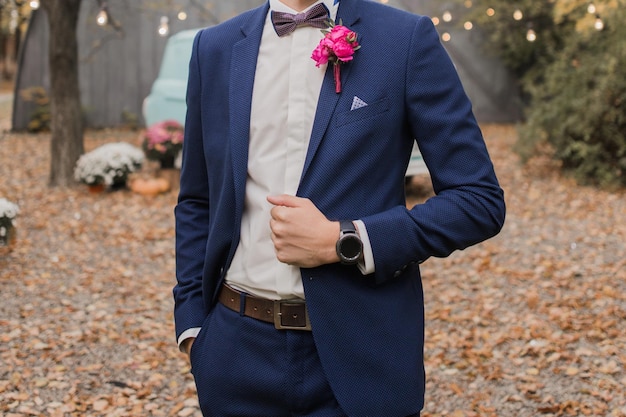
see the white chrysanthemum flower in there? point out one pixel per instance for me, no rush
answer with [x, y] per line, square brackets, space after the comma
[8, 212]
[108, 164]
[8, 209]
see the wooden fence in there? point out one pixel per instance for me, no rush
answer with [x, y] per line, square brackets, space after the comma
[118, 66]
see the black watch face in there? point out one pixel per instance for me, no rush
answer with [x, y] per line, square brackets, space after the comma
[351, 247]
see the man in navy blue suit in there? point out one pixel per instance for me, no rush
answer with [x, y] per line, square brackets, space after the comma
[297, 260]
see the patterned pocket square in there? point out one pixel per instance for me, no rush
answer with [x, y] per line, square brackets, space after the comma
[357, 103]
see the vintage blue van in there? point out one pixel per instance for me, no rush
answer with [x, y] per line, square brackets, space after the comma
[166, 100]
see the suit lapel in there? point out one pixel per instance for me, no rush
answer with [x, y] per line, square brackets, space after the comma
[242, 70]
[327, 102]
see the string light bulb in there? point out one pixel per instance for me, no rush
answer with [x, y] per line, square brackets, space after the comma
[182, 15]
[518, 15]
[468, 25]
[531, 36]
[591, 8]
[102, 18]
[164, 27]
[490, 12]
[447, 16]
[34, 4]
[598, 24]
[446, 37]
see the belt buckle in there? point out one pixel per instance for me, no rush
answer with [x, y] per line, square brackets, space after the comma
[286, 311]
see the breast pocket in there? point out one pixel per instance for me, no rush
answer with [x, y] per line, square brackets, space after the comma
[360, 114]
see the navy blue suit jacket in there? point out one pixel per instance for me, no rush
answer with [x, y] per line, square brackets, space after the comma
[369, 330]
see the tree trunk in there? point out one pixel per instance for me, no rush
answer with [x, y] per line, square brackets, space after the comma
[65, 109]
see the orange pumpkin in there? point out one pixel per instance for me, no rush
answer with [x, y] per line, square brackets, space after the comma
[149, 186]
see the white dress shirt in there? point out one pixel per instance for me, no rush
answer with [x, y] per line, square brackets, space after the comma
[284, 101]
[286, 89]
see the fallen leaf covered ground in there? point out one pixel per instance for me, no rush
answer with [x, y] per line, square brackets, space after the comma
[530, 323]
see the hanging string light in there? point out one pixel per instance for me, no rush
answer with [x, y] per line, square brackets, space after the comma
[102, 18]
[598, 24]
[164, 27]
[34, 4]
[518, 15]
[531, 36]
[182, 15]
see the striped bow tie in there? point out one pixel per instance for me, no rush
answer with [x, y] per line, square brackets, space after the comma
[285, 23]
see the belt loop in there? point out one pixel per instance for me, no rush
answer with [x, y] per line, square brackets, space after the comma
[242, 304]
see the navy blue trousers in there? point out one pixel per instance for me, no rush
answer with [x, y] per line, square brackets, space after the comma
[244, 367]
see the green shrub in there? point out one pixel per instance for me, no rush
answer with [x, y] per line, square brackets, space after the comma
[579, 108]
[40, 117]
[572, 78]
[506, 37]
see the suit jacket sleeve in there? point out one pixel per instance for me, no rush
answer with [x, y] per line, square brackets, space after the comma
[192, 211]
[469, 204]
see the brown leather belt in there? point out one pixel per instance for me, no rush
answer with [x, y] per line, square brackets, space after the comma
[284, 314]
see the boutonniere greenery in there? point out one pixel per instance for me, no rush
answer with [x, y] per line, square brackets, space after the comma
[337, 47]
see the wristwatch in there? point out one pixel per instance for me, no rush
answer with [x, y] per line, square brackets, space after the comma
[349, 245]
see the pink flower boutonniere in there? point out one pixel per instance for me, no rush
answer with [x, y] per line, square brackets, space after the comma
[337, 46]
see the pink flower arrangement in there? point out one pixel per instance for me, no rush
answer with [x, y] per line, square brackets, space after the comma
[163, 140]
[337, 46]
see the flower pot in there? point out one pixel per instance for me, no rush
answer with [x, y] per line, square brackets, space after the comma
[119, 185]
[96, 188]
[167, 162]
[8, 235]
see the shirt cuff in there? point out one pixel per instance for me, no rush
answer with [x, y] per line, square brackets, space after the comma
[366, 264]
[193, 332]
